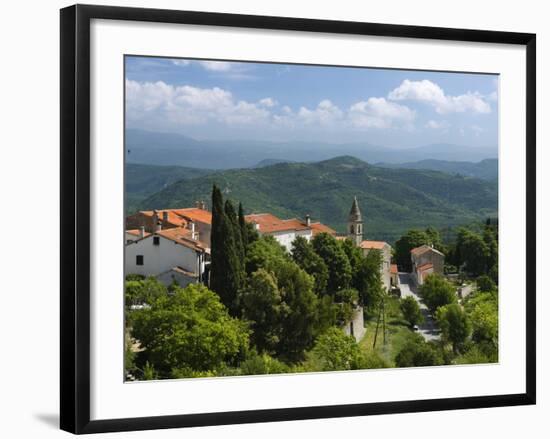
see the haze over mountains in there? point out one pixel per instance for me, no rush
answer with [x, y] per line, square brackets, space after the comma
[174, 149]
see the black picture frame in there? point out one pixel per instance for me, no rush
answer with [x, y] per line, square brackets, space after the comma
[75, 217]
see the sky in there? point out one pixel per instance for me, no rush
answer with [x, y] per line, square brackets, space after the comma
[221, 100]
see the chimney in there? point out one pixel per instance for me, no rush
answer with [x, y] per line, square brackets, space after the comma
[141, 232]
[155, 219]
[194, 232]
[256, 226]
[165, 216]
[308, 220]
[158, 226]
[203, 205]
[197, 204]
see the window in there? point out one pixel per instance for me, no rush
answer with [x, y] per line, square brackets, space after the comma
[352, 230]
[156, 240]
[139, 259]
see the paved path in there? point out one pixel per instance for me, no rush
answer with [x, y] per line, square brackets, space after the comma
[428, 329]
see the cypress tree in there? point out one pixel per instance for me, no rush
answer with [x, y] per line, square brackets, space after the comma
[243, 227]
[217, 256]
[233, 273]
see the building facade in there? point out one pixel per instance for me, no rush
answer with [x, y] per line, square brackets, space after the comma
[426, 260]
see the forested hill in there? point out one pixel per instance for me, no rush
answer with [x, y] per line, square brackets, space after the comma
[486, 169]
[391, 200]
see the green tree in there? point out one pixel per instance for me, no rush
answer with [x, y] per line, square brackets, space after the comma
[217, 256]
[355, 258]
[266, 253]
[262, 304]
[411, 311]
[416, 352]
[143, 291]
[369, 280]
[335, 350]
[301, 325]
[455, 325]
[189, 329]
[309, 261]
[334, 257]
[472, 252]
[243, 228]
[485, 283]
[227, 254]
[436, 291]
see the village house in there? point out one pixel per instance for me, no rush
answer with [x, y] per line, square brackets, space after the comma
[190, 228]
[175, 254]
[286, 231]
[426, 260]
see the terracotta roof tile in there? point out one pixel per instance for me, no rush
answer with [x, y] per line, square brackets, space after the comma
[321, 228]
[378, 245]
[425, 267]
[182, 236]
[270, 223]
[136, 232]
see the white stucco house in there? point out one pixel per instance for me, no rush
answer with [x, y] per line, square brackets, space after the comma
[171, 254]
[286, 231]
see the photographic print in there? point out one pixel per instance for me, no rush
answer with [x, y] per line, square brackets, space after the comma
[292, 218]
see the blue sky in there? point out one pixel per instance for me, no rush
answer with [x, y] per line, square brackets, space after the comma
[282, 102]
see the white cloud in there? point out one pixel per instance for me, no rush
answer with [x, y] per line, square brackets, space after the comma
[430, 93]
[268, 102]
[380, 113]
[326, 113]
[217, 66]
[189, 105]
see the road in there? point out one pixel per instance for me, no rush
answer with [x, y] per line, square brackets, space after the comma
[428, 329]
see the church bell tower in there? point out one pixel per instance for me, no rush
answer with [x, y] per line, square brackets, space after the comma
[355, 224]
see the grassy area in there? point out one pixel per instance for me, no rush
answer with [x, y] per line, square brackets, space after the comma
[397, 332]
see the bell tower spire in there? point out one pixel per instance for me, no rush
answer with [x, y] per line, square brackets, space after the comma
[355, 223]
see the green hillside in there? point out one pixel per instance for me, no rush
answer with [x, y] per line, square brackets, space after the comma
[142, 181]
[392, 200]
[485, 169]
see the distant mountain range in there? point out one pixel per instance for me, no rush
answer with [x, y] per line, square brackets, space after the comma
[392, 200]
[485, 169]
[174, 149]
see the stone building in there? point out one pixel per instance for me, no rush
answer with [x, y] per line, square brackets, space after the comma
[426, 260]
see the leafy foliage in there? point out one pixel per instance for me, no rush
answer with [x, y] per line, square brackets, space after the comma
[335, 350]
[309, 261]
[336, 261]
[454, 323]
[417, 352]
[436, 291]
[189, 329]
[411, 311]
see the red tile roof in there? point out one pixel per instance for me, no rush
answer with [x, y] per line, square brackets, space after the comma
[425, 267]
[195, 214]
[182, 236]
[378, 245]
[393, 269]
[270, 223]
[136, 232]
[317, 228]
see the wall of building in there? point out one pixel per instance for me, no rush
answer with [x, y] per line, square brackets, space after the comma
[357, 325]
[287, 238]
[160, 258]
[386, 264]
